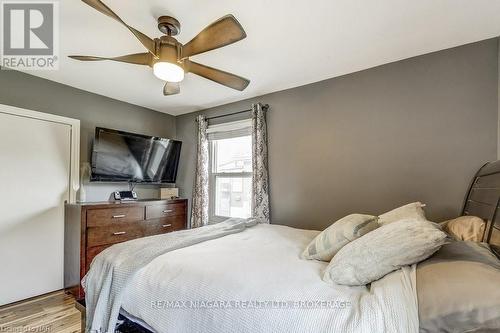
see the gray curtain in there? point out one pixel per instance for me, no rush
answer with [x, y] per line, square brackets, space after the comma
[199, 209]
[260, 180]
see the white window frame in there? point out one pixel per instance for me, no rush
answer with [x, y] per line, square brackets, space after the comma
[216, 132]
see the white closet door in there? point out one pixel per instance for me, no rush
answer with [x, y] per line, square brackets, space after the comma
[35, 178]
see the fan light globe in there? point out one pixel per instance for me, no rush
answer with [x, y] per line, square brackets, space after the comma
[168, 72]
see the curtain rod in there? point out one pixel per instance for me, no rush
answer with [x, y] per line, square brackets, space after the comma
[265, 107]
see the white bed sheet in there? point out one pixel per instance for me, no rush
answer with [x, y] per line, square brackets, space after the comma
[223, 285]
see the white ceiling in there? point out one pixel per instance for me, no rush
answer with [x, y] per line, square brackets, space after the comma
[290, 43]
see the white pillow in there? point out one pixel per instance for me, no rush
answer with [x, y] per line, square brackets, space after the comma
[341, 232]
[384, 250]
[412, 210]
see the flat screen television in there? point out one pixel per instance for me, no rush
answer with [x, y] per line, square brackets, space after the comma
[119, 156]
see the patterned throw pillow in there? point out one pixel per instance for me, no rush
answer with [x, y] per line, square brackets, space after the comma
[333, 238]
[414, 210]
[384, 250]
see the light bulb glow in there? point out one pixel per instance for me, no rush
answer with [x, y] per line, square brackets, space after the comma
[168, 72]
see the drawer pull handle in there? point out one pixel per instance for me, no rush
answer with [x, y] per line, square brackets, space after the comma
[168, 211]
[119, 216]
[119, 233]
[166, 225]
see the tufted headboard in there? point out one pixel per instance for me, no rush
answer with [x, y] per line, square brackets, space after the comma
[483, 199]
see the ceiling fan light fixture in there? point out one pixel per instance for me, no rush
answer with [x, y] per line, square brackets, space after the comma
[169, 59]
[168, 72]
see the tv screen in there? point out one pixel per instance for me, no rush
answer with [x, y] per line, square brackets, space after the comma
[127, 157]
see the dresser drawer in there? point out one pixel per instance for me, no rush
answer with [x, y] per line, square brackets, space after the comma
[113, 234]
[159, 211]
[106, 217]
[164, 225]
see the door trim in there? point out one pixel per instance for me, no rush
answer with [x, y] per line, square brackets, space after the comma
[74, 179]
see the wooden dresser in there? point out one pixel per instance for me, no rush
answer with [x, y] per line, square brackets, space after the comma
[92, 227]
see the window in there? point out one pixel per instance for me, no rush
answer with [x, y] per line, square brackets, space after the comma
[230, 182]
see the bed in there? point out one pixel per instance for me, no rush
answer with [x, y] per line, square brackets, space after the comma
[258, 266]
[254, 281]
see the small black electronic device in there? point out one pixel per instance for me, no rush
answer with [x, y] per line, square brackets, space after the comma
[125, 195]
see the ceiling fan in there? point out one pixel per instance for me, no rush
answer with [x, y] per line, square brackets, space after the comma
[169, 59]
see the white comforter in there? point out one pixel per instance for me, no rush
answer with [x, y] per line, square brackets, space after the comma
[229, 285]
[112, 270]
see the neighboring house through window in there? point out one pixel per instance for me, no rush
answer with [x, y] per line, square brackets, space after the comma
[230, 171]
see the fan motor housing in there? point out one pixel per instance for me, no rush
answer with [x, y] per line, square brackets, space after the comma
[169, 50]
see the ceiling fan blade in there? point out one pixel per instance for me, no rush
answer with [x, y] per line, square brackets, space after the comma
[148, 43]
[171, 88]
[137, 59]
[216, 75]
[224, 31]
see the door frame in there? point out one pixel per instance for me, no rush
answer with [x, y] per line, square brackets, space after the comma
[74, 179]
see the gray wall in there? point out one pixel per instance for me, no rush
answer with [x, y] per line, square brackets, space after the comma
[417, 129]
[31, 92]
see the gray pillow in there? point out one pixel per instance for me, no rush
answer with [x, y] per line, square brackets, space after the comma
[384, 250]
[458, 289]
[341, 232]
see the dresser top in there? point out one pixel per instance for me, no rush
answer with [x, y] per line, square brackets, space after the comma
[128, 203]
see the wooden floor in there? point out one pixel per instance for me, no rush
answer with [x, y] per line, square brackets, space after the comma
[51, 313]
